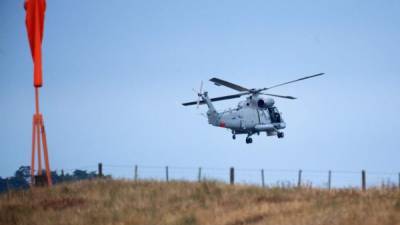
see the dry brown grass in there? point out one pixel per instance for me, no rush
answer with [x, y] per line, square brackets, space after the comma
[158, 203]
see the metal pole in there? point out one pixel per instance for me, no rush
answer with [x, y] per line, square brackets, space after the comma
[45, 153]
[39, 150]
[33, 150]
[37, 131]
[37, 100]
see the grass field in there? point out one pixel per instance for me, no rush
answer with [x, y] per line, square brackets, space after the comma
[159, 203]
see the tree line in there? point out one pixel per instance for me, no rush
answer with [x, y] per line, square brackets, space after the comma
[21, 178]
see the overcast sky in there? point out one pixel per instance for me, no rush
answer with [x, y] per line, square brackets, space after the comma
[116, 73]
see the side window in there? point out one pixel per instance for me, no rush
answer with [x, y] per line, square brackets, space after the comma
[277, 115]
[274, 115]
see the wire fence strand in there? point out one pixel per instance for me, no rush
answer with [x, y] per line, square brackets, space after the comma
[254, 176]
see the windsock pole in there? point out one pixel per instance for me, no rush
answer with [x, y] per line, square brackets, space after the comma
[34, 20]
[39, 142]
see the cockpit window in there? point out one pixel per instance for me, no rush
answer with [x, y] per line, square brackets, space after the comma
[274, 115]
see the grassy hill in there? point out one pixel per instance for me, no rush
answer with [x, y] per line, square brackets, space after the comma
[158, 203]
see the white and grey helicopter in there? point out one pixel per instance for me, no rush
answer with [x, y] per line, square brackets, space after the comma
[252, 116]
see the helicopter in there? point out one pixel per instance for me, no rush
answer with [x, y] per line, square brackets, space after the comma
[251, 116]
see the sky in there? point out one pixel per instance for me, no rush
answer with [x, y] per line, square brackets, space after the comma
[116, 73]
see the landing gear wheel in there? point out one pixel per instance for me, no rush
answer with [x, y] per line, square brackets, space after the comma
[249, 140]
[233, 137]
[280, 135]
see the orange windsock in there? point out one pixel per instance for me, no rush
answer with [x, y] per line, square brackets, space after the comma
[34, 25]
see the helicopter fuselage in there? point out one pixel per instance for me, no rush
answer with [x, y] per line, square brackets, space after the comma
[254, 115]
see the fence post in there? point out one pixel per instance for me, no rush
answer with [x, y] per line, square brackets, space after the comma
[199, 175]
[399, 180]
[329, 179]
[299, 179]
[363, 180]
[62, 175]
[232, 176]
[262, 178]
[136, 173]
[8, 189]
[166, 174]
[8, 185]
[100, 170]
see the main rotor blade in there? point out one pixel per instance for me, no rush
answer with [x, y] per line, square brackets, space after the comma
[220, 82]
[215, 99]
[280, 96]
[303, 78]
[227, 97]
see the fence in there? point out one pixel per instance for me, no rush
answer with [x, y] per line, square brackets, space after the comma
[260, 177]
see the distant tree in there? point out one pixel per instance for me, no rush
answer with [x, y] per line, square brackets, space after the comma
[83, 174]
[3, 185]
[55, 177]
[23, 172]
[22, 176]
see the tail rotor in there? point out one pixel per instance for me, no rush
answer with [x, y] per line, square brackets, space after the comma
[199, 93]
